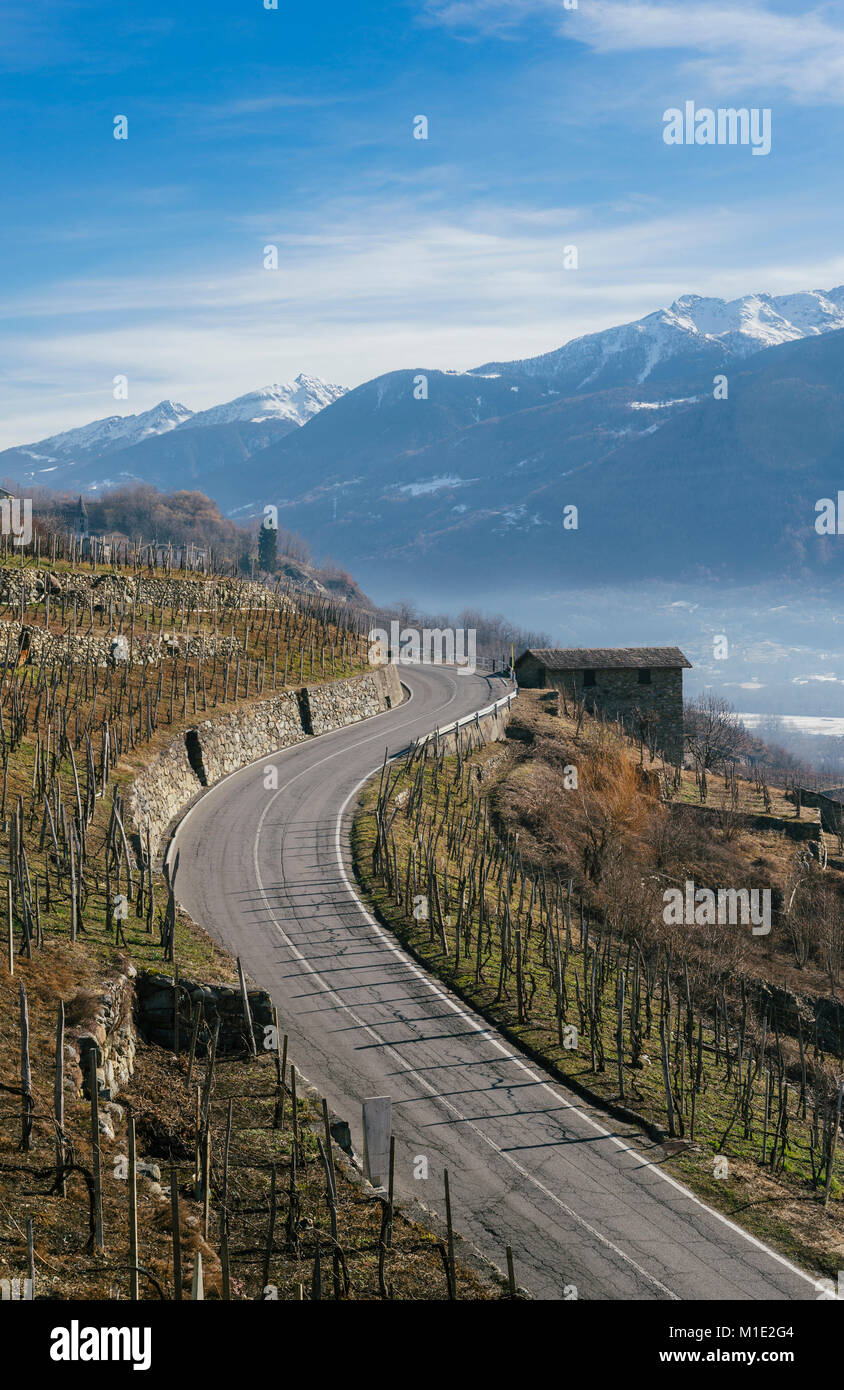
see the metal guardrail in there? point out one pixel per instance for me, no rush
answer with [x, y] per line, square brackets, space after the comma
[475, 718]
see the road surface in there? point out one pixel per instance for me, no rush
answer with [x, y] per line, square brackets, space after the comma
[267, 873]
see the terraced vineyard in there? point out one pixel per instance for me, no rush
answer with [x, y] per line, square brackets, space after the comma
[540, 901]
[126, 1167]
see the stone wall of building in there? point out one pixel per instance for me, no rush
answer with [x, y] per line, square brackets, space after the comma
[617, 693]
[217, 747]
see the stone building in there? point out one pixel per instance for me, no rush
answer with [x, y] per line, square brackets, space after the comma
[643, 685]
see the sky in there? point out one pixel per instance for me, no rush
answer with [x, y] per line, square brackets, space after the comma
[293, 127]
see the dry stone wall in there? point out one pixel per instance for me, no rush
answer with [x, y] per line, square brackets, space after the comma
[161, 790]
[333, 706]
[830, 803]
[102, 590]
[223, 745]
[220, 746]
[79, 650]
[102, 1023]
[218, 1004]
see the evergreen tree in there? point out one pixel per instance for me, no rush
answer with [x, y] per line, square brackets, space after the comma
[267, 548]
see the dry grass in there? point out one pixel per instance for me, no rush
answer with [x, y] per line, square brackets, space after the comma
[619, 844]
[613, 836]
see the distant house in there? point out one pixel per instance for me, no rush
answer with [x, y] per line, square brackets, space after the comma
[643, 685]
[166, 555]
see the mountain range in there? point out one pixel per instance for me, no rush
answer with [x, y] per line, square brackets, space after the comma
[150, 446]
[693, 331]
[694, 444]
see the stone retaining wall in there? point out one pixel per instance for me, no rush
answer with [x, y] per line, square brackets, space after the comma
[489, 728]
[345, 702]
[144, 649]
[103, 590]
[821, 1017]
[217, 747]
[101, 1022]
[218, 1004]
[799, 830]
[830, 803]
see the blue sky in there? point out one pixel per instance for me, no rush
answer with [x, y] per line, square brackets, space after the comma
[294, 127]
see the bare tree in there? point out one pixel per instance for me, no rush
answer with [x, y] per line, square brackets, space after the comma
[714, 734]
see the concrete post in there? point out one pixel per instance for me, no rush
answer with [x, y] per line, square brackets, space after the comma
[377, 1128]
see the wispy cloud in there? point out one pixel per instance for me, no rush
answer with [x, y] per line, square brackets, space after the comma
[501, 17]
[278, 101]
[733, 46]
[363, 291]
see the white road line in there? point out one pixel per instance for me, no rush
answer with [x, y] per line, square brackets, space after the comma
[479, 1027]
[476, 1026]
[266, 757]
[390, 1051]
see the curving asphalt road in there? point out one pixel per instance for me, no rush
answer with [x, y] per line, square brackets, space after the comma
[267, 873]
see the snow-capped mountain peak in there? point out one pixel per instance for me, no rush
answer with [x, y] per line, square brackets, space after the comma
[296, 401]
[693, 324]
[114, 431]
[764, 320]
[291, 404]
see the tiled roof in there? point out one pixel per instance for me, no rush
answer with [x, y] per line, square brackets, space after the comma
[605, 658]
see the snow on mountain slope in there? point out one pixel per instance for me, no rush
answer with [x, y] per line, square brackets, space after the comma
[296, 401]
[693, 325]
[114, 432]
